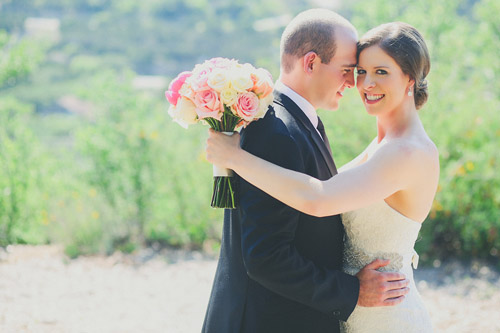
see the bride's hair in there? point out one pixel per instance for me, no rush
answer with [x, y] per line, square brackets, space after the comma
[407, 47]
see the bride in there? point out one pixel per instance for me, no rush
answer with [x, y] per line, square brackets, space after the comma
[387, 191]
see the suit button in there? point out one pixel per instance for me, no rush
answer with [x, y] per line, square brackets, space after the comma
[336, 313]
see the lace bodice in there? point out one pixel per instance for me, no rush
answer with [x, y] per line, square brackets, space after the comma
[379, 231]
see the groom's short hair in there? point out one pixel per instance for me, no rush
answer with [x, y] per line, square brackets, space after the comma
[311, 30]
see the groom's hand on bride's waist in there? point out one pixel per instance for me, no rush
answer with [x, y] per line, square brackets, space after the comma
[381, 288]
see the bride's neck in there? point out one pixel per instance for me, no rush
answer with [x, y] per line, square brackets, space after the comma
[396, 123]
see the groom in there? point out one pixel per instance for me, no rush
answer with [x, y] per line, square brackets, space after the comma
[279, 269]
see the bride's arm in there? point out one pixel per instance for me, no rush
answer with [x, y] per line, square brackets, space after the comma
[391, 169]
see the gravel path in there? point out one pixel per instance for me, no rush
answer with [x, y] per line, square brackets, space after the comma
[42, 291]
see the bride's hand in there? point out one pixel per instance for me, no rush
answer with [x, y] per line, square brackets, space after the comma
[222, 149]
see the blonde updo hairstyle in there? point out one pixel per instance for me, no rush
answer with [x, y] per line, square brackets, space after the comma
[406, 46]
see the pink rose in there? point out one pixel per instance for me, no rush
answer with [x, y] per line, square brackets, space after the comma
[172, 94]
[222, 63]
[247, 106]
[200, 77]
[208, 104]
[262, 83]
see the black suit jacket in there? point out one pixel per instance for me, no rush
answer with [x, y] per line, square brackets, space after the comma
[279, 269]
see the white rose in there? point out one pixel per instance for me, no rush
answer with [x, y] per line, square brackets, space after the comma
[229, 96]
[184, 113]
[218, 80]
[264, 105]
[241, 80]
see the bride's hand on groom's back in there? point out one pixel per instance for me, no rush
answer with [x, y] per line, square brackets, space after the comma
[381, 288]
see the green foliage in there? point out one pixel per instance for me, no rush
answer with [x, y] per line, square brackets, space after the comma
[22, 203]
[22, 210]
[123, 175]
[143, 167]
[19, 58]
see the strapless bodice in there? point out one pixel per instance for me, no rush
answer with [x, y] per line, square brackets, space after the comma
[379, 231]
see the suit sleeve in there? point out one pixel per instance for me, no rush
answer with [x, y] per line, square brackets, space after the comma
[268, 231]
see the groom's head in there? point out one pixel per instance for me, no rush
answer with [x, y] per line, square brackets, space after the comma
[318, 56]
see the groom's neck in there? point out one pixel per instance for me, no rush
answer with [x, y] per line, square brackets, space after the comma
[298, 85]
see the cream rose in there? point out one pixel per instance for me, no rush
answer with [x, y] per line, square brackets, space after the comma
[218, 80]
[264, 105]
[241, 80]
[184, 113]
[229, 96]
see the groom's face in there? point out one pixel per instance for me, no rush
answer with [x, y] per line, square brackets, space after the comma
[333, 78]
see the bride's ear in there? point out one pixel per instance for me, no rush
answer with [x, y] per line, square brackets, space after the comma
[411, 83]
[309, 61]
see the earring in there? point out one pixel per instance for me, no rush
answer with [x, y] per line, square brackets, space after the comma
[410, 93]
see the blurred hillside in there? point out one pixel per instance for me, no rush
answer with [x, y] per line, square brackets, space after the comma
[89, 158]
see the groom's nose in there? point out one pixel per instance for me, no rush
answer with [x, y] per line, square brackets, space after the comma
[349, 82]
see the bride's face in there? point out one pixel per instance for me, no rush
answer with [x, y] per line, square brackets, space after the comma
[381, 83]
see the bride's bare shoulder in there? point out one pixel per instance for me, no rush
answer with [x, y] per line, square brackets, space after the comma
[419, 149]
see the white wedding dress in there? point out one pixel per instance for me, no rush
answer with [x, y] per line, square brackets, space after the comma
[379, 231]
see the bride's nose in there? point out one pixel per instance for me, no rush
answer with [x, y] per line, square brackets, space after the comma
[368, 82]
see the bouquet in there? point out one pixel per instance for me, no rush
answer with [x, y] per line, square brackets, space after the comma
[225, 95]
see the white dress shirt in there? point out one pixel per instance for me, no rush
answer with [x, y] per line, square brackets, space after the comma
[301, 102]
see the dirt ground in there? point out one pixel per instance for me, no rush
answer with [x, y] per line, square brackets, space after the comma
[43, 291]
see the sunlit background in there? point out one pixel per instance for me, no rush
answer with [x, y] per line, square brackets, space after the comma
[90, 161]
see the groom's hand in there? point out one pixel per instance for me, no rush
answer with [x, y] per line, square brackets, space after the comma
[379, 288]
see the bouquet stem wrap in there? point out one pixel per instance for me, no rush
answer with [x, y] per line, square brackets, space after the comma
[224, 189]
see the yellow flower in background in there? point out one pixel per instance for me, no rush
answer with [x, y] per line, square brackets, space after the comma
[202, 156]
[92, 192]
[469, 166]
[437, 206]
[75, 195]
[460, 171]
[45, 217]
[95, 215]
[498, 132]
[469, 134]
[154, 135]
[440, 188]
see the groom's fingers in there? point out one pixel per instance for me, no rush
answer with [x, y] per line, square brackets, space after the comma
[400, 284]
[394, 276]
[393, 294]
[393, 301]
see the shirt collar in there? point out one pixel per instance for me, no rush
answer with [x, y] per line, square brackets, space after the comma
[301, 102]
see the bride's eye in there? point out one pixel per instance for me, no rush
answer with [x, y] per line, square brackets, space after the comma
[381, 71]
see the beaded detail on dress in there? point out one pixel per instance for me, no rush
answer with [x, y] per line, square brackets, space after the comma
[379, 231]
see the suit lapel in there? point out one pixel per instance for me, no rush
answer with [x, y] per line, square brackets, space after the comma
[297, 113]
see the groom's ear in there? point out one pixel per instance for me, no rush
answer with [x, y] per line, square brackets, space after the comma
[309, 61]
